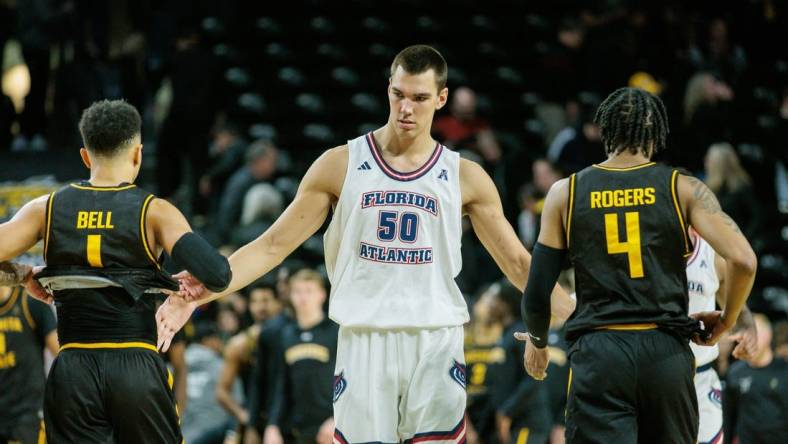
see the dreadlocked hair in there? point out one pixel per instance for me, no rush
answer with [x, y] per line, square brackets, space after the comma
[632, 119]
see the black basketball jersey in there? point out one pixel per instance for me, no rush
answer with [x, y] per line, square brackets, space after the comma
[24, 325]
[628, 242]
[100, 228]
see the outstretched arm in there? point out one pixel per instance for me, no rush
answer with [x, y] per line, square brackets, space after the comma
[548, 256]
[721, 232]
[24, 229]
[318, 190]
[483, 205]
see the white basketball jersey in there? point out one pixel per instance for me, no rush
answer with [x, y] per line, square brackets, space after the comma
[393, 246]
[703, 283]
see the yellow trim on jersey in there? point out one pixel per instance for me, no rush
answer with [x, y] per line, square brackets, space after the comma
[568, 390]
[628, 327]
[673, 182]
[522, 437]
[26, 311]
[42, 433]
[92, 188]
[170, 379]
[144, 231]
[636, 167]
[10, 302]
[108, 345]
[571, 207]
[49, 224]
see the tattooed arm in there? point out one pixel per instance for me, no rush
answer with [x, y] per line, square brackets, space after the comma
[721, 232]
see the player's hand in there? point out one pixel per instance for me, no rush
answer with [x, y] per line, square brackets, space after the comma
[535, 359]
[170, 317]
[272, 435]
[713, 324]
[746, 343]
[503, 424]
[35, 289]
[190, 288]
[326, 433]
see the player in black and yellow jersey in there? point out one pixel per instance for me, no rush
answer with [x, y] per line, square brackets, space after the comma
[27, 327]
[101, 240]
[624, 224]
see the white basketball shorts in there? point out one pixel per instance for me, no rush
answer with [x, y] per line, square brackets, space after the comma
[709, 391]
[394, 386]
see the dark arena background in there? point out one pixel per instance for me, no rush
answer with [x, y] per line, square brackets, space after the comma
[238, 98]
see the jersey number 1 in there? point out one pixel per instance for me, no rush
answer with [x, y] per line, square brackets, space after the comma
[94, 250]
[631, 247]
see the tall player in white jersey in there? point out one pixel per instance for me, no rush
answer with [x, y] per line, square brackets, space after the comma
[392, 253]
[705, 280]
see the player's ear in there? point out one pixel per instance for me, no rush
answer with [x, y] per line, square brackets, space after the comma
[137, 153]
[443, 97]
[85, 155]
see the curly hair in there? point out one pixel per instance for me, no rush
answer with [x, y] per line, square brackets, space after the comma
[107, 126]
[632, 119]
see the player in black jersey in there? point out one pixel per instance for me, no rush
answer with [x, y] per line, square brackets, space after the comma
[624, 224]
[27, 327]
[102, 238]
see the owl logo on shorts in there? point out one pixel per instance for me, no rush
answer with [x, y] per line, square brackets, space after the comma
[340, 384]
[715, 395]
[457, 372]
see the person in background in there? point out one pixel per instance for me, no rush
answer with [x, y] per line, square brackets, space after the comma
[239, 354]
[205, 421]
[27, 328]
[261, 158]
[756, 394]
[463, 129]
[482, 351]
[303, 399]
[227, 152]
[707, 118]
[522, 403]
[733, 187]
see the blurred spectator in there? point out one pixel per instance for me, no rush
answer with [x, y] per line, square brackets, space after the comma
[35, 31]
[463, 129]
[303, 402]
[239, 354]
[733, 187]
[184, 133]
[577, 147]
[205, 421]
[266, 368]
[481, 352]
[226, 153]
[522, 403]
[531, 202]
[531, 199]
[260, 167]
[756, 394]
[781, 339]
[227, 322]
[706, 117]
[715, 52]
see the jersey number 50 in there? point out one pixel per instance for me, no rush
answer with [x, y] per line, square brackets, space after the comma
[631, 247]
[391, 225]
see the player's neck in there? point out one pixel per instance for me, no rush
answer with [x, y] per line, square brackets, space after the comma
[110, 175]
[392, 143]
[625, 159]
[308, 319]
[762, 359]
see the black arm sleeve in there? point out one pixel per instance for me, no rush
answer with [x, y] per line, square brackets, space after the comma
[43, 316]
[193, 253]
[545, 268]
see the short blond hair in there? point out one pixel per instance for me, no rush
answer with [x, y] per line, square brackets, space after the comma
[308, 275]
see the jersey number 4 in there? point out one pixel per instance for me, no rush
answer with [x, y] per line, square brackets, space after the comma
[631, 247]
[391, 225]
